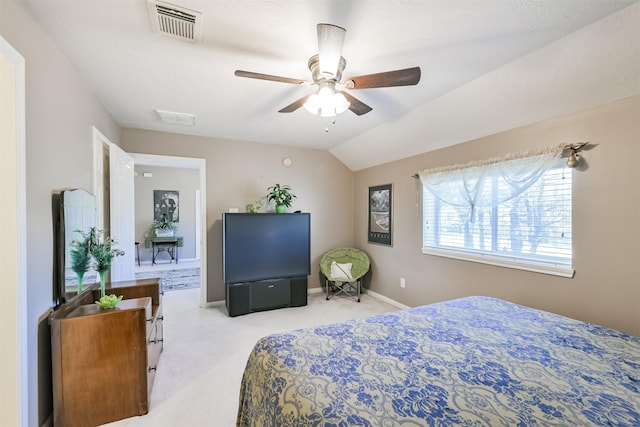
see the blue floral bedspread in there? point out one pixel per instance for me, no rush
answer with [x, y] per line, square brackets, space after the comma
[474, 361]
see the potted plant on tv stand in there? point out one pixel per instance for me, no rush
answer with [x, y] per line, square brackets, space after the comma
[281, 195]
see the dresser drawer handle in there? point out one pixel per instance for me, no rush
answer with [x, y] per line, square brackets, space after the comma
[152, 368]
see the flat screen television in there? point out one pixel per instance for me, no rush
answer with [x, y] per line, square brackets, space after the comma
[265, 246]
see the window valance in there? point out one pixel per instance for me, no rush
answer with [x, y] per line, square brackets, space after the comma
[472, 185]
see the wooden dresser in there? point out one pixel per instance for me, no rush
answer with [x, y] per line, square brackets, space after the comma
[105, 360]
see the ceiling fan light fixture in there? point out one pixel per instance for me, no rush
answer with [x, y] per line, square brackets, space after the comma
[320, 104]
[330, 41]
[312, 104]
[326, 102]
[340, 103]
[326, 69]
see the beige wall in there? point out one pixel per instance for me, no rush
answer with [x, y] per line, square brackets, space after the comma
[186, 182]
[60, 113]
[606, 229]
[239, 173]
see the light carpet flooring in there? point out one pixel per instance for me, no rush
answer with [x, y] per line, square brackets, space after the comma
[205, 351]
[181, 275]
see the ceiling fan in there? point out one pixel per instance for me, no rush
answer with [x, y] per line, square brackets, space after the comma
[326, 71]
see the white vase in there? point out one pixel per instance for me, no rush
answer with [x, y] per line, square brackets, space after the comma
[164, 233]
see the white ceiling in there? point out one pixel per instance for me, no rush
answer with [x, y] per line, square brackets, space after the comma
[479, 58]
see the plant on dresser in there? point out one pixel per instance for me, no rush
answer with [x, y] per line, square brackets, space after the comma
[95, 246]
[81, 256]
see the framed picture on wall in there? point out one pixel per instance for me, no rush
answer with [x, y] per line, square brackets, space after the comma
[166, 204]
[380, 214]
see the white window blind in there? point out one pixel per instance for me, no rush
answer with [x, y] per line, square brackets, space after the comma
[513, 213]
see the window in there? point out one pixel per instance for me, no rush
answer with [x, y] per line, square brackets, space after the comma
[520, 218]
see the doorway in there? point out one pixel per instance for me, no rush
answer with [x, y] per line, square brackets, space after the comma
[13, 255]
[201, 205]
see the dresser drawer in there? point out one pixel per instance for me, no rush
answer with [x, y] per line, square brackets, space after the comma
[154, 348]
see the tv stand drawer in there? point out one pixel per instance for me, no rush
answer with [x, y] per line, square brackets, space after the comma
[268, 294]
[247, 297]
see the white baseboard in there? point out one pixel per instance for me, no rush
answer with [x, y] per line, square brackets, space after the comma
[376, 295]
[386, 299]
[211, 304]
[145, 262]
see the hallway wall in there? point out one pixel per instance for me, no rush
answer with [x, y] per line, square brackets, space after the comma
[186, 182]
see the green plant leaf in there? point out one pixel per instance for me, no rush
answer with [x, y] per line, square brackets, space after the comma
[80, 253]
[109, 301]
[102, 250]
[280, 195]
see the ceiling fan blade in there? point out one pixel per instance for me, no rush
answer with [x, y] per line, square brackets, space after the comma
[260, 76]
[330, 41]
[295, 105]
[406, 77]
[356, 106]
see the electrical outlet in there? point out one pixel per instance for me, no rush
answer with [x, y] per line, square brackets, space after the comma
[402, 282]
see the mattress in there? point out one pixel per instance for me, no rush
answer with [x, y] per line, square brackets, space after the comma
[474, 361]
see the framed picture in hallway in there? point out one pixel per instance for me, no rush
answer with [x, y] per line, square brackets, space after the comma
[380, 214]
[166, 204]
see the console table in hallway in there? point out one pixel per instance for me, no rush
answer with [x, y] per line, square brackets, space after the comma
[164, 244]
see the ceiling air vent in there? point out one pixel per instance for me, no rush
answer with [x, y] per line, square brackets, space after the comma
[175, 118]
[176, 21]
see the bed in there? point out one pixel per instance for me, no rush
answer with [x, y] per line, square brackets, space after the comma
[474, 361]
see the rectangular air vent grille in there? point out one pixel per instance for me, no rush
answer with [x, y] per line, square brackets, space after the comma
[175, 118]
[176, 21]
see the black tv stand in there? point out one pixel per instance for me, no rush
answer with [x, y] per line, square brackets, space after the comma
[248, 297]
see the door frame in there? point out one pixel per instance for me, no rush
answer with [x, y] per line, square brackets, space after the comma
[13, 309]
[100, 151]
[140, 159]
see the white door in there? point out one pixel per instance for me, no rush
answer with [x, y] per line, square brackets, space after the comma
[14, 328]
[122, 212]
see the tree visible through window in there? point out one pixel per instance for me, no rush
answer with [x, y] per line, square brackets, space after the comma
[499, 223]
